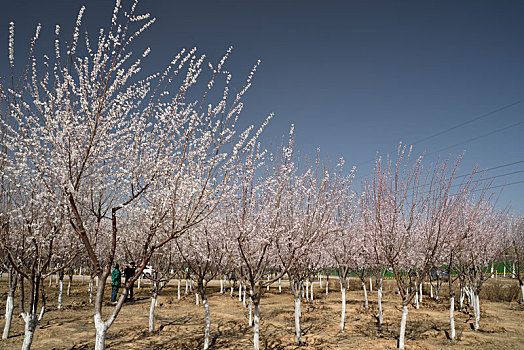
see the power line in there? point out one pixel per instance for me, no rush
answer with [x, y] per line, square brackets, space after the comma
[511, 183]
[476, 138]
[493, 168]
[482, 116]
[470, 121]
[501, 175]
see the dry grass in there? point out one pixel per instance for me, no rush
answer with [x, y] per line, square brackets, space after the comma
[179, 323]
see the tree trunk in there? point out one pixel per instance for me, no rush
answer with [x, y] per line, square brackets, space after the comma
[312, 292]
[420, 292]
[152, 312]
[244, 298]
[343, 313]
[477, 310]
[91, 278]
[521, 289]
[221, 286]
[12, 280]
[461, 298]
[280, 286]
[29, 330]
[416, 300]
[69, 285]
[256, 328]
[307, 290]
[196, 297]
[366, 303]
[431, 290]
[370, 284]
[403, 327]
[297, 320]
[327, 286]
[8, 315]
[208, 322]
[101, 331]
[251, 308]
[240, 292]
[60, 291]
[178, 289]
[187, 287]
[379, 302]
[452, 317]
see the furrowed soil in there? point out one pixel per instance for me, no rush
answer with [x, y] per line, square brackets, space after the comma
[179, 324]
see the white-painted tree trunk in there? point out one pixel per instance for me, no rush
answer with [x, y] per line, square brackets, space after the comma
[69, 286]
[279, 285]
[60, 292]
[178, 289]
[370, 284]
[101, 331]
[298, 312]
[240, 292]
[504, 270]
[431, 290]
[29, 332]
[452, 318]
[208, 323]
[268, 282]
[379, 302]
[312, 283]
[244, 297]
[327, 286]
[221, 286]
[250, 308]
[366, 303]
[416, 300]
[9, 306]
[50, 280]
[197, 301]
[403, 327]
[343, 313]
[138, 284]
[96, 280]
[256, 327]
[90, 289]
[420, 292]
[477, 310]
[492, 271]
[232, 292]
[307, 290]
[31, 320]
[461, 298]
[320, 280]
[152, 313]
[187, 287]
[522, 291]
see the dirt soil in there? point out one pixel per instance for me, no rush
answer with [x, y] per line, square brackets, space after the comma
[179, 324]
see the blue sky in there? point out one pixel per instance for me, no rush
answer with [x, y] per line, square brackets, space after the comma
[355, 77]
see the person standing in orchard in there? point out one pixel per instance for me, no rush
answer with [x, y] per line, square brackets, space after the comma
[129, 272]
[116, 277]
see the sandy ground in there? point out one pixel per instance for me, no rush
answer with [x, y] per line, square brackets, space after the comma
[180, 323]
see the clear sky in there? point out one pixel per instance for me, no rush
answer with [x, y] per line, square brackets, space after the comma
[355, 77]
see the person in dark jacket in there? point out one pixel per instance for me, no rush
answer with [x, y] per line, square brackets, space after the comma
[129, 272]
[116, 276]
